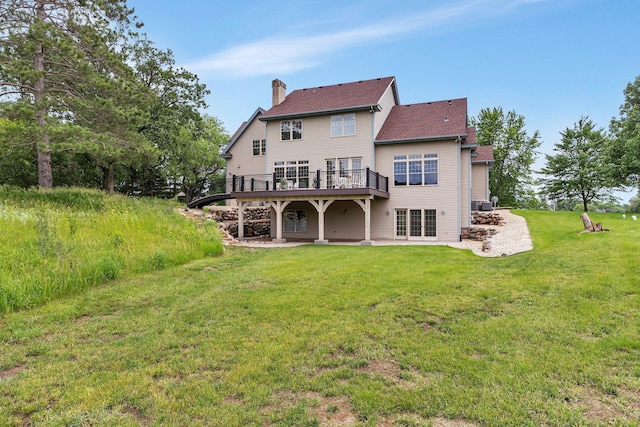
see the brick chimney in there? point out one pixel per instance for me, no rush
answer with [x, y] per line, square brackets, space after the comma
[279, 92]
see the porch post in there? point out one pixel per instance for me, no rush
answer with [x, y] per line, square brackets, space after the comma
[279, 206]
[366, 207]
[241, 206]
[321, 206]
[367, 222]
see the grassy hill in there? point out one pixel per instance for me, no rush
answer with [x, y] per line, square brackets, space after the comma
[63, 241]
[337, 335]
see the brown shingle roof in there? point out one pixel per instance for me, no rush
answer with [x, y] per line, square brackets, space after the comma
[343, 96]
[484, 153]
[425, 121]
[471, 135]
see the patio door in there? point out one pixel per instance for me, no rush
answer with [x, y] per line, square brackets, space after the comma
[416, 224]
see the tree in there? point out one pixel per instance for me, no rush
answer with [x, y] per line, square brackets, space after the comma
[514, 153]
[634, 203]
[195, 163]
[580, 169]
[625, 148]
[173, 115]
[56, 57]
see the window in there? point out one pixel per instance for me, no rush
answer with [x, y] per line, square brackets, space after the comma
[343, 125]
[430, 223]
[294, 173]
[345, 172]
[291, 130]
[259, 147]
[401, 223]
[416, 169]
[295, 220]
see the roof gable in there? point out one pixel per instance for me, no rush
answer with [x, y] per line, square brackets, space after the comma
[428, 120]
[256, 114]
[324, 99]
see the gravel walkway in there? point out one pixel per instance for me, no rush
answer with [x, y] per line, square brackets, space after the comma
[511, 238]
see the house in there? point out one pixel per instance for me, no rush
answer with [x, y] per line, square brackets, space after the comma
[349, 162]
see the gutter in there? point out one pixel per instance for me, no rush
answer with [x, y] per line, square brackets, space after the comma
[374, 107]
[421, 139]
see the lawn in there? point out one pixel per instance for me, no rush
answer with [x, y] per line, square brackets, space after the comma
[345, 335]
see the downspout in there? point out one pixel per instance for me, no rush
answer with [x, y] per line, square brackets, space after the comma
[470, 186]
[459, 143]
[266, 152]
[373, 140]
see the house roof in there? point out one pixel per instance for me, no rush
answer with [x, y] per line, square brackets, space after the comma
[226, 154]
[353, 96]
[471, 136]
[429, 120]
[484, 153]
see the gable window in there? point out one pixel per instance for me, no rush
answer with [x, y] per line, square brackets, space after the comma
[291, 130]
[343, 125]
[295, 220]
[259, 147]
[415, 169]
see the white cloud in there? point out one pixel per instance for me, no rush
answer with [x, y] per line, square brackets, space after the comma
[288, 53]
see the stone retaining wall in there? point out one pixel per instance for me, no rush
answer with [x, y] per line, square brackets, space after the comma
[257, 220]
[486, 218]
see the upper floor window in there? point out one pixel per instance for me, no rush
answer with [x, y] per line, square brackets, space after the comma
[343, 125]
[259, 147]
[292, 174]
[291, 130]
[415, 169]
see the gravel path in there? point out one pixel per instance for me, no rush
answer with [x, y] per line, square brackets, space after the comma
[511, 238]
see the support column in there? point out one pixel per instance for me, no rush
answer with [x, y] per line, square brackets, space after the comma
[241, 207]
[366, 207]
[279, 206]
[321, 206]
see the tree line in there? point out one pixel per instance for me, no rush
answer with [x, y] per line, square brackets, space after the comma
[588, 164]
[86, 99]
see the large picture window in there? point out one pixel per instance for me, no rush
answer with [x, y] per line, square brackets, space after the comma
[259, 147]
[295, 220]
[291, 129]
[343, 125]
[415, 169]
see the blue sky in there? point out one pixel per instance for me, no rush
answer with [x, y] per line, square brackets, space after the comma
[551, 61]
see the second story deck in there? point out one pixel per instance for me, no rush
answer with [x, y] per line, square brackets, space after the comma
[355, 182]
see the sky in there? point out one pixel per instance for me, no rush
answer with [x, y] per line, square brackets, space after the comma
[551, 61]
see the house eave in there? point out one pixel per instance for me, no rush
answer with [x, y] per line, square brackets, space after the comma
[422, 139]
[372, 108]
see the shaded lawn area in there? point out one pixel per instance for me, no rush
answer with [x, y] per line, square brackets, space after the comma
[317, 335]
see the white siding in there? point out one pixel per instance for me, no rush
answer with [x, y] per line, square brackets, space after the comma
[444, 197]
[317, 144]
[465, 187]
[243, 162]
[480, 181]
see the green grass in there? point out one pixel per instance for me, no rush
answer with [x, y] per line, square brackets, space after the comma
[334, 335]
[63, 241]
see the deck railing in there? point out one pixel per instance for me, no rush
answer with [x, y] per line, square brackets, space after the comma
[318, 180]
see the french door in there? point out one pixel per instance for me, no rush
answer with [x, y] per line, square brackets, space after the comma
[416, 224]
